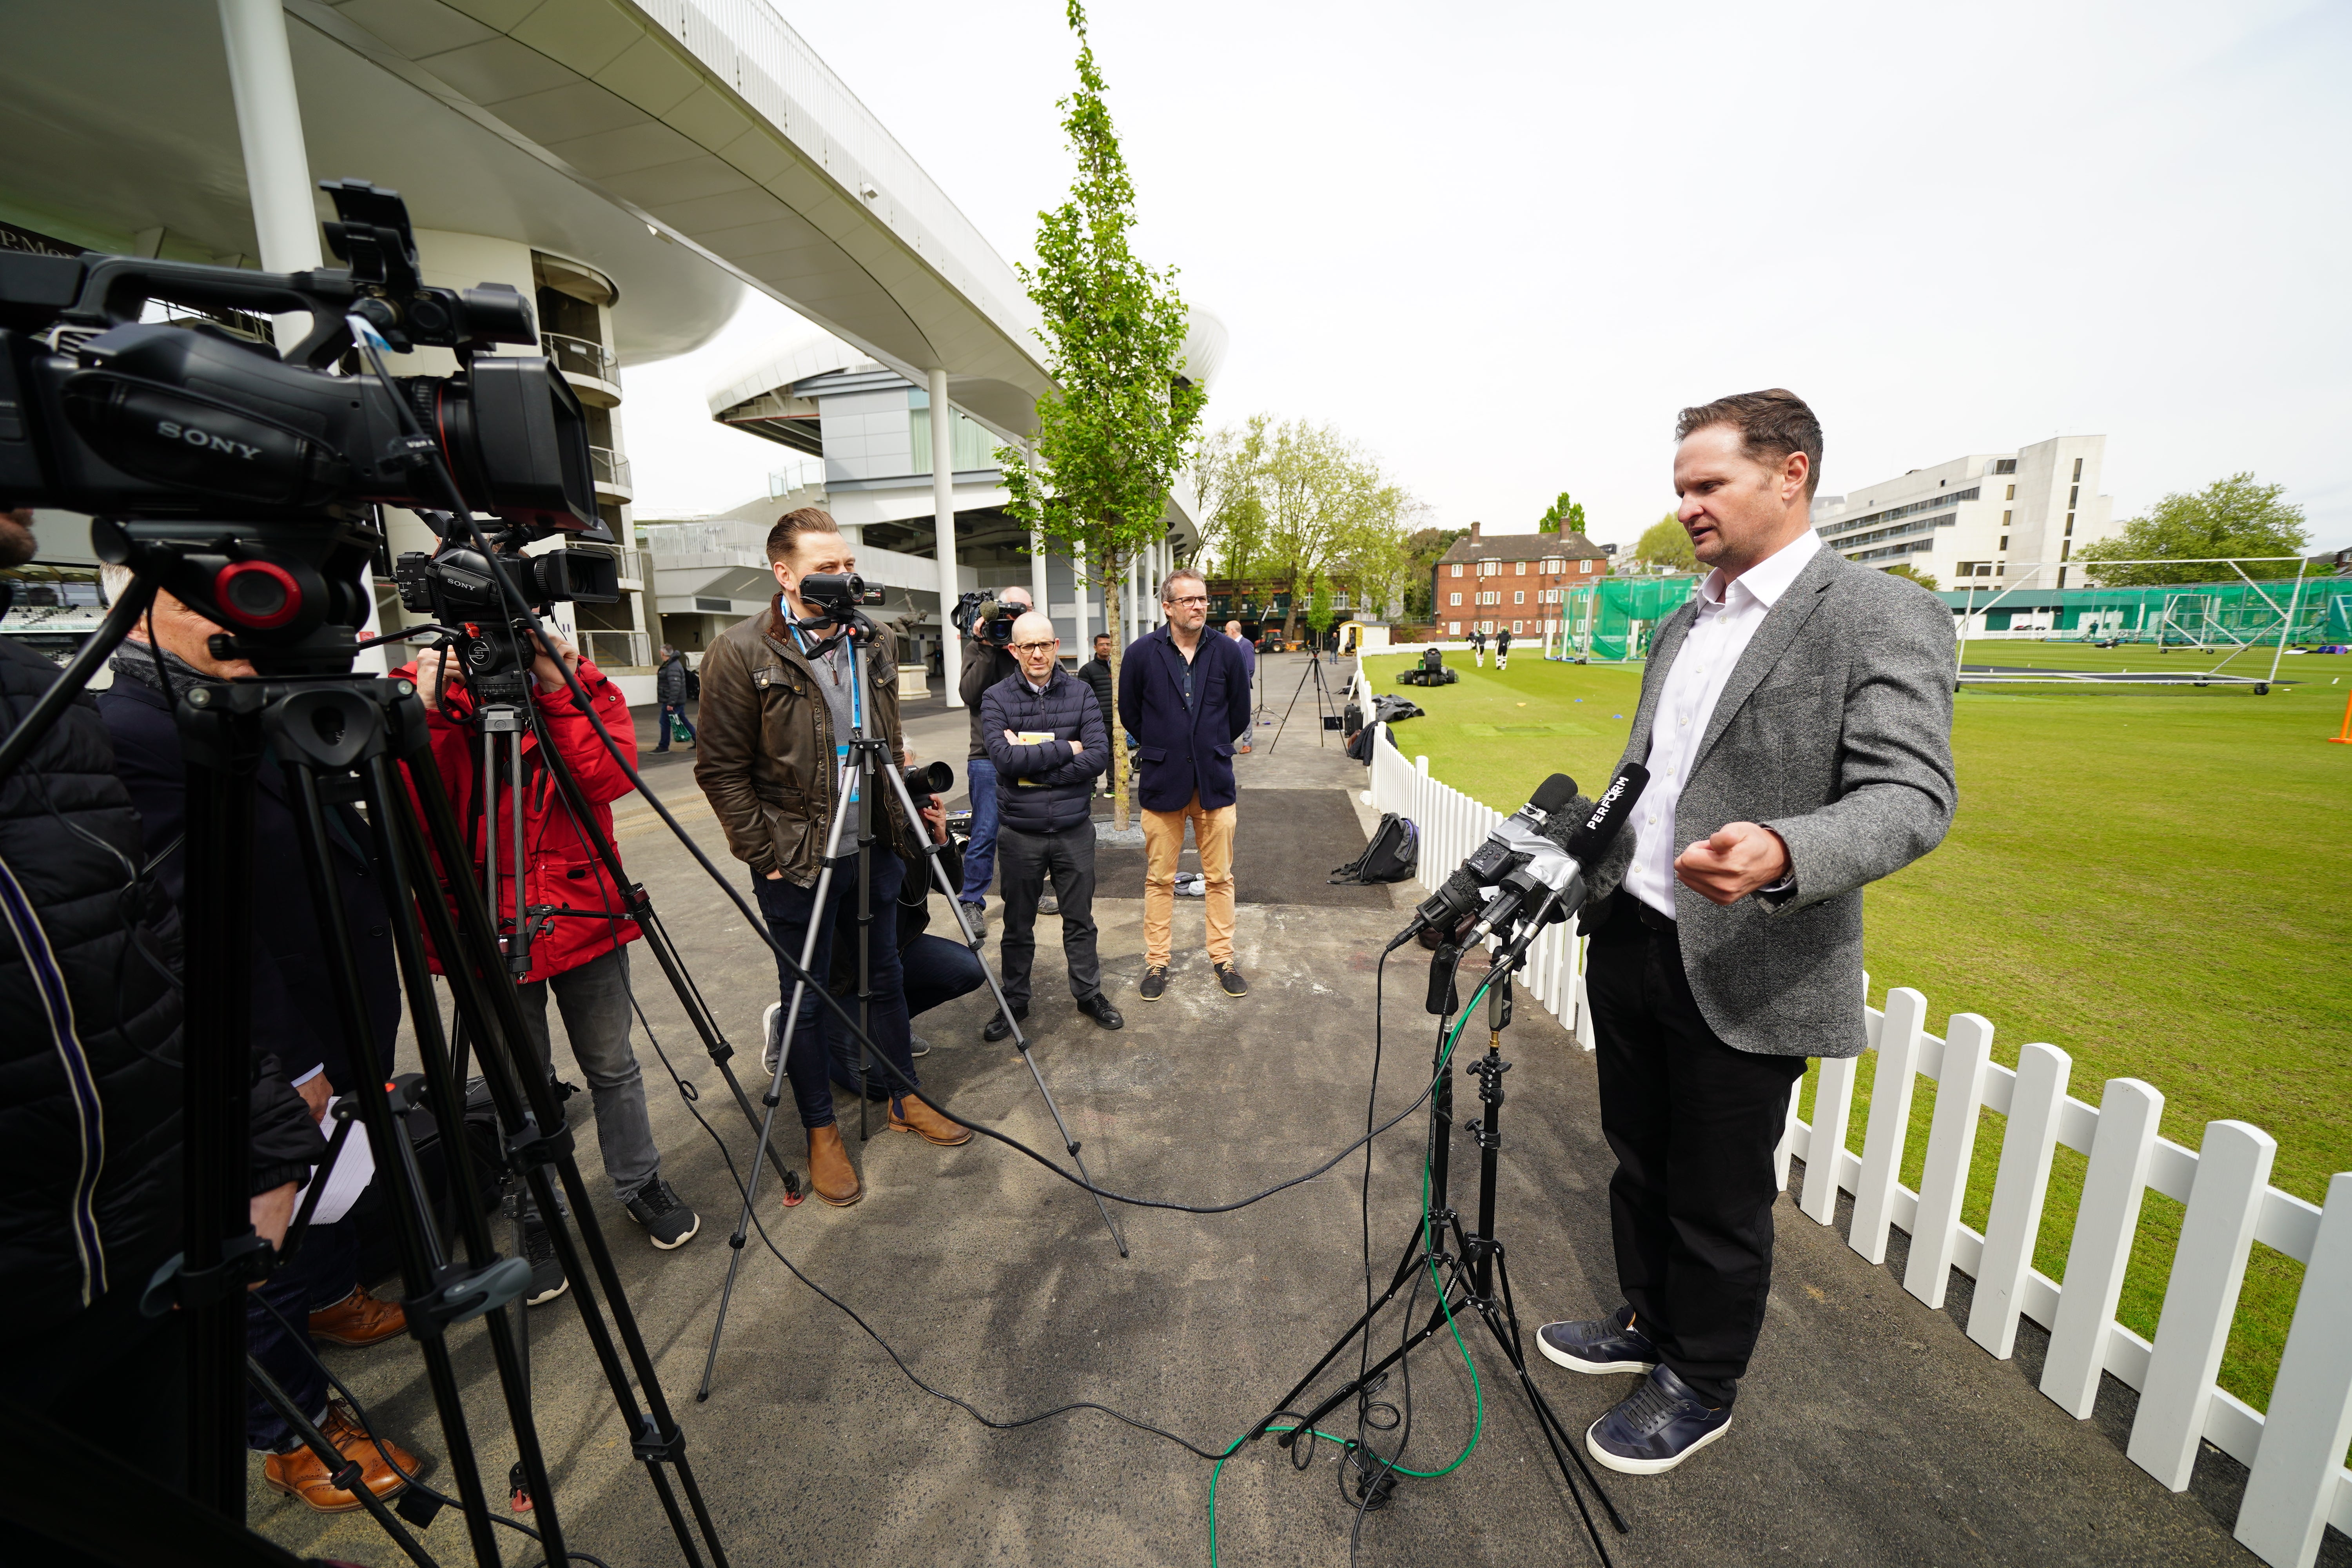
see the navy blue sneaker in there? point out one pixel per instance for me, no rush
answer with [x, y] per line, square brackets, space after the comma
[1598, 1345]
[1661, 1426]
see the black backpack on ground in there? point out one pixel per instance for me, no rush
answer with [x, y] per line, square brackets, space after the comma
[1391, 856]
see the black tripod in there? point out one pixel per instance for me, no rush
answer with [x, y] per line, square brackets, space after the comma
[346, 739]
[1325, 704]
[1469, 1263]
[864, 770]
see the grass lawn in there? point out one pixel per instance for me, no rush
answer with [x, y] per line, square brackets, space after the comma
[2152, 879]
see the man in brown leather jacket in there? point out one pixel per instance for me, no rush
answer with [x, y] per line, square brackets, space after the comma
[778, 706]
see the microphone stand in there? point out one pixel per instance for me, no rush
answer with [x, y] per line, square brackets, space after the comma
[1468, 1260]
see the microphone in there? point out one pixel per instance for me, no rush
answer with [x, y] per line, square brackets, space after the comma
[1587, 846]
[1520, 833]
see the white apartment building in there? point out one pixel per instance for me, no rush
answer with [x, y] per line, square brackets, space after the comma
[1967, 520]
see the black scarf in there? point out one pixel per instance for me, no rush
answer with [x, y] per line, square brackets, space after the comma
[137, 660]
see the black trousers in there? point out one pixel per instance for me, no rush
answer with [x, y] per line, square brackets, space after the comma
[1023, 862]
[1693, 1124]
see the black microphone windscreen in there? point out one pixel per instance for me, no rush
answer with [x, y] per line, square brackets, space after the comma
[1553, 793]
[1593, 834]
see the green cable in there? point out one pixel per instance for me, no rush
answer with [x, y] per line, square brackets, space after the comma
[1477, 1391]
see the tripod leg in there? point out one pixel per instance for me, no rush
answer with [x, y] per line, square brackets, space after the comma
[475, 976]
[1005, 1010]
[1563, 1437]
[1278, 728]
[327, 1455]
[789, 1023]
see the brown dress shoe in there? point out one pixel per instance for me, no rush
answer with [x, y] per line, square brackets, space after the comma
[831, 1175]
[298, 1474]
[359, 1318]
[909, 1114]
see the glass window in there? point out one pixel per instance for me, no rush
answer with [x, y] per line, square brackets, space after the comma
[1457, 569]
[2011, 495]
[1520, 596]
[1518, 569]
[1585, 567]
[2076, 494]
[1454, 600]
[2078, 470]
[1453, 628]
[2004, 538]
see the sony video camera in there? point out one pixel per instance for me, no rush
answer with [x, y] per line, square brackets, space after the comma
[242, 477]
[984, 618]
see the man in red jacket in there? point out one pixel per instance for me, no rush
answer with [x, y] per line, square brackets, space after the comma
[579, 955]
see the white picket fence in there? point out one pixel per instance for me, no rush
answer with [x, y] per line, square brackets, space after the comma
[2298, 1483]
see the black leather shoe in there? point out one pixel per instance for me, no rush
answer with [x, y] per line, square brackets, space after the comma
[1662, 1424]
[998, 1028]
[1598, 1345]
[1229, 981]
[1097, 1007]
[1155, 983]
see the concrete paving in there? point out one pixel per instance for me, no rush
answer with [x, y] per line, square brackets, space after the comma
[1870, 1431]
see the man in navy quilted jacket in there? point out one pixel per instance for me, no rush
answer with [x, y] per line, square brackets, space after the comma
[1044, 732]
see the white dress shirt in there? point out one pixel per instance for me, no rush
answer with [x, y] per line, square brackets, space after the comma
[1729, 614]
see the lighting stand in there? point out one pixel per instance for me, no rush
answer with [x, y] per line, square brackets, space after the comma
[867, 766]
[1469, 1263]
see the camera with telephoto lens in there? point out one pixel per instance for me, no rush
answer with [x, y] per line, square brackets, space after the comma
[243, 478]
[926, 782]
[985, 618]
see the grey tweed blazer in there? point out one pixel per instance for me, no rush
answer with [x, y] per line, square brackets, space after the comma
[1835, 731]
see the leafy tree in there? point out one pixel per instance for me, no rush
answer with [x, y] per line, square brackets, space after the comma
[1427, 545]
[1112, 441]
[1320, 613]
[1904, 569]
[2232, 517]
[1664, 543]
[1229, 477]
[1563, 517]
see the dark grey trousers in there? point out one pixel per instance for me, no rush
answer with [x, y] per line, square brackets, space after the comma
[1023, 862]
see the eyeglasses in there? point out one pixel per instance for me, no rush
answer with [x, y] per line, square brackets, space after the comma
[1189, 604]
[1036, 647]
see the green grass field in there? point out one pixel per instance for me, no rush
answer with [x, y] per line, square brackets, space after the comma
[2152, 879]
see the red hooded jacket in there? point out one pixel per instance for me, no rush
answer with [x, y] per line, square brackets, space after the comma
[562, 871]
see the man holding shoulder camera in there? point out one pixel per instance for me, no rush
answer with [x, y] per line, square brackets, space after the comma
[780, 700]
[1047, 738]
[985, 663]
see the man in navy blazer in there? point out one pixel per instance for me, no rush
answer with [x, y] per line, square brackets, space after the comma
[1184, 696]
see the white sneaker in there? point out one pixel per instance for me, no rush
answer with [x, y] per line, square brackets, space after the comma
[770, 1028]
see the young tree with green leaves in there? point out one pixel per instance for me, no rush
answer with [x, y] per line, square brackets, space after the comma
[1906, 569]
[2232, 517]
[1666, 544]
[1111, 441]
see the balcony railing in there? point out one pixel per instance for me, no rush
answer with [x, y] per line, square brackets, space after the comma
[635, 566]
[617, 650]
[610, 468]
[578, 356]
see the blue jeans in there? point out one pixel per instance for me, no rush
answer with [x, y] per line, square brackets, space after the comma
[322, 1273]
[789, 910]
[668, 709]
[937, 970]
[979, 855]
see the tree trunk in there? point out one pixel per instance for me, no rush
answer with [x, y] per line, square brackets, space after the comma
[1112, 567]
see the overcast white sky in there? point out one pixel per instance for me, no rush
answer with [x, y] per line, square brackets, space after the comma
[1501, 245]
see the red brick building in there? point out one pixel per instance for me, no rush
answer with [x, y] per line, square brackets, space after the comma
[1511, 580]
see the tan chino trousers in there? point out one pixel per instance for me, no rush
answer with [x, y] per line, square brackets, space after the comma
[1163, 841]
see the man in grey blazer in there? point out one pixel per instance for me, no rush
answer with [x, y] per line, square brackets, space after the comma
[1796, 720]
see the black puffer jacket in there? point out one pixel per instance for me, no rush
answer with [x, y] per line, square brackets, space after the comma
[89, 1032]
[1043, 789]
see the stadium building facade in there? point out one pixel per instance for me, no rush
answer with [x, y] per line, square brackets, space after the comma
[1966, 521]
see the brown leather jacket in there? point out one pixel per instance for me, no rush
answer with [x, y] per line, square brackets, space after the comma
[765, 752]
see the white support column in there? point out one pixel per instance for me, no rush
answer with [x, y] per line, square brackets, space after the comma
[277, 183]
[943, 524]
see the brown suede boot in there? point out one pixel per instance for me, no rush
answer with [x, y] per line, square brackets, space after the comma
[909, 1114]
[831, 1175]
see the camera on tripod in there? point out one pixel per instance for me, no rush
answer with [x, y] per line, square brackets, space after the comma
[984, 618]
[162, 428]
[837, 594]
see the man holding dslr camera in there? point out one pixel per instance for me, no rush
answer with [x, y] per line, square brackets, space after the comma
[780, 701]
